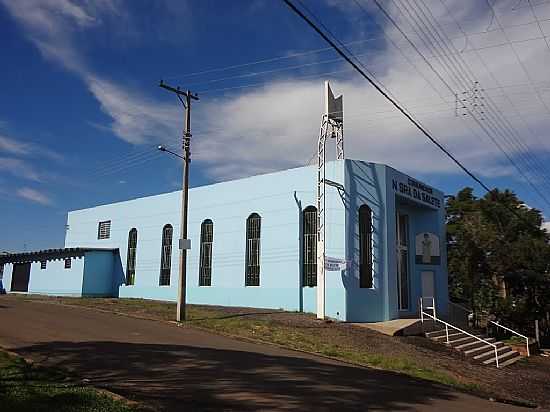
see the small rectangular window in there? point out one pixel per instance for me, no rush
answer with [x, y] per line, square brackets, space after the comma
[68, 263]
[104, 230]
[42, 264]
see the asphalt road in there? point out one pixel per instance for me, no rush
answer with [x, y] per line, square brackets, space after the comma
[181, 369]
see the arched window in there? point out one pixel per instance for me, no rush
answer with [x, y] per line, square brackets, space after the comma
[309, 246]
[166, 256]
[365, 247]
[205, 268]
[131, 257]
[253, 224]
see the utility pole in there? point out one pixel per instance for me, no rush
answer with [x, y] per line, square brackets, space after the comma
[184, 243]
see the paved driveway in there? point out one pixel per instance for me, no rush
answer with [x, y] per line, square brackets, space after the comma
[182, 369]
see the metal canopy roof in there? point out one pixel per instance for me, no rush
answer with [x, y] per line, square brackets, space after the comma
[49, 254]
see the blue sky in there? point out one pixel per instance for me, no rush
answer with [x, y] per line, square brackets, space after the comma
[81, 111]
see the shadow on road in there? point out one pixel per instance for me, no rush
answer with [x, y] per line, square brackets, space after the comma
[180, 377]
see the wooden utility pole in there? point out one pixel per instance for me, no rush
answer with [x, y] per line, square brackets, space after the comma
[184, 243]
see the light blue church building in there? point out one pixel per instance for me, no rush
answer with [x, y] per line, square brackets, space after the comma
[253, 244]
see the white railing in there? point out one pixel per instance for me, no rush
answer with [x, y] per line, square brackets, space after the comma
[459, 314]
[514, 332]
[448, 325]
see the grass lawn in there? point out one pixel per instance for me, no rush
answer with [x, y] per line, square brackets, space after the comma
[25, 387]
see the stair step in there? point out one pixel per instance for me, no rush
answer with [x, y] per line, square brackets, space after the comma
[491, 352]
[435, 333]
[509, 361]
[481, 346]
[451, 335]
[464, 339]
[473, 344]
[506, 355]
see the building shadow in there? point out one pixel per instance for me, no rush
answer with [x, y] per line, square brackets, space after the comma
[183, 377]
[365, 187]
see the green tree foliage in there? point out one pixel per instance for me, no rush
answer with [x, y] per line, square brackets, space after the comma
[493, 239]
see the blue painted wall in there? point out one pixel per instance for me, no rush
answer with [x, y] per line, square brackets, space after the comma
[54, 280]
[89, 275]
[366, 184]
[279, 198]
[6, 281]
[423, 217]
[98, 274]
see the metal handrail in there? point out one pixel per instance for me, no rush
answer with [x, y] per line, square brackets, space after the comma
[447, 325]
[513, 331]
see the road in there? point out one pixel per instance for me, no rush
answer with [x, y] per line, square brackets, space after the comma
[183, 369]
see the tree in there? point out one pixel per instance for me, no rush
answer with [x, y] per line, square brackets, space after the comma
[499, 255]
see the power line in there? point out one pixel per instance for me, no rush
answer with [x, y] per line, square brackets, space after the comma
[459, 79]
[492, 118]
[492, 75]
[324, 49]
[528, 76]
[383, 93]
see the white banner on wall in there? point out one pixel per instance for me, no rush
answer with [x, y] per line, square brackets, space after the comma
[333, 264]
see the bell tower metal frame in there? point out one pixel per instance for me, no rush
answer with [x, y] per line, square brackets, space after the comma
[332, 125]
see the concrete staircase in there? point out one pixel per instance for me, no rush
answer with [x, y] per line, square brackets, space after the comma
[475, 349]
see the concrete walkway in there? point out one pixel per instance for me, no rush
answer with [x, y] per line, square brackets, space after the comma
[395, 327]
[176, 369]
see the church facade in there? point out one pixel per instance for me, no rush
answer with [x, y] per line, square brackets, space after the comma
[253, 244]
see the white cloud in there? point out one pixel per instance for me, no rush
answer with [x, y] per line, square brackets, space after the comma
[34, 196]
[21, 148]
[19, 168]
[276, 126]
[11, 146]
[135, 118]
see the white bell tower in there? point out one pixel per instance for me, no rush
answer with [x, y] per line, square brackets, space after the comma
[332, 125]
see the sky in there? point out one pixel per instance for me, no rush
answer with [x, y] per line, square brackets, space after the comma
[81, 113]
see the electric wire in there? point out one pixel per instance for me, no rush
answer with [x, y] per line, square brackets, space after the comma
[527, 74]
[495, 80]
[320, 50]
[462, 80]
[403, 111]
[379, 89]
[503, 123]
[493, 116]
[538, 23]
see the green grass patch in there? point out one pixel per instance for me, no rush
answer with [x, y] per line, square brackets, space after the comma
[25, 387]
[311, 340]
[514, 340]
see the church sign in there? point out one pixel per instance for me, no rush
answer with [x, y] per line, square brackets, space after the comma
[416, 191]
